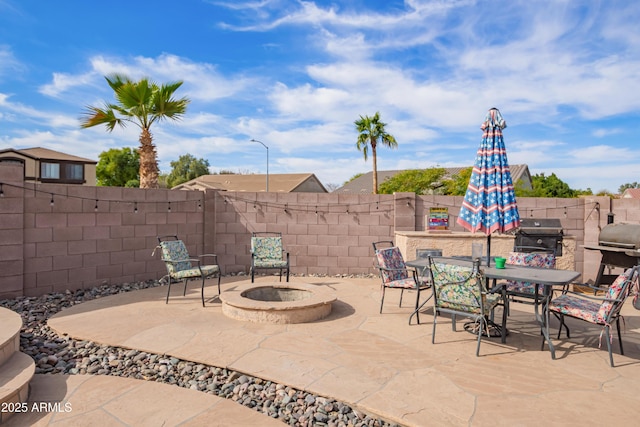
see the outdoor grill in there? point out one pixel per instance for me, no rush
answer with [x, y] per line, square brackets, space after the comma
[539, 233]
[619, 245]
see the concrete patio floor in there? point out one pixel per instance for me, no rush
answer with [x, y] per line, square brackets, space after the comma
[375, 362]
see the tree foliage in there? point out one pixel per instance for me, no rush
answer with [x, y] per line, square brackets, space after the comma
[547, 186]
[186, 168]
[419, 181]
[118, 167]
[371, 132]
[141, 103]
[627, 186]
[358, 175]
[458, 183]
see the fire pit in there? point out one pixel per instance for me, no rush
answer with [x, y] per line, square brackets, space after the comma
[278, 302]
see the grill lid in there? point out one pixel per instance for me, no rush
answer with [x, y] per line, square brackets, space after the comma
[620, 235]
[548, 226]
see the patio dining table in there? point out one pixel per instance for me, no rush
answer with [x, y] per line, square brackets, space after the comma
[543, 276]
[548, 277]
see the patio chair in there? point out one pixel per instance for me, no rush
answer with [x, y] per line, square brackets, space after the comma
[602, 311]
[180, 266]
[459, 289]
[267, 253]
[525, 292]
[395, 274]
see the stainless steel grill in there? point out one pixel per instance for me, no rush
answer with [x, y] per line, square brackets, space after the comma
[540, 233]
[619, 245]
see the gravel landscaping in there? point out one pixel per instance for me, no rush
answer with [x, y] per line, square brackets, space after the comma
[55, 354]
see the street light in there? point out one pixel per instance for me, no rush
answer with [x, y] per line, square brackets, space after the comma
[264, 145]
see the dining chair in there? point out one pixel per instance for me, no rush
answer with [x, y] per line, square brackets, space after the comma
[395, 274]
[601, 311]
[525, 292]
[460, 289]
[268, 253]
[180, 266]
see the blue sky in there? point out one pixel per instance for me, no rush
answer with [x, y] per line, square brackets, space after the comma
[296, 74]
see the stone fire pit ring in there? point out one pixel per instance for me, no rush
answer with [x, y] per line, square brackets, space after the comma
[278, 302]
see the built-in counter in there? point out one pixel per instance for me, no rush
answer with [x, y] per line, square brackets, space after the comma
[456, 243]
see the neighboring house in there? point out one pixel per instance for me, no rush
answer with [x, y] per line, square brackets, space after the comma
[44, 165]
[364, 183]
[631, 193]
[278, 183]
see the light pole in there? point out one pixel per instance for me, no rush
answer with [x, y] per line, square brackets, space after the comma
[265, 146]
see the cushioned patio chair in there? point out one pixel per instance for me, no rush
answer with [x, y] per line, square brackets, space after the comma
[459, 289]
[180, 266]
[395, 274]
[602, 311]
[525, 292]
[267, 253]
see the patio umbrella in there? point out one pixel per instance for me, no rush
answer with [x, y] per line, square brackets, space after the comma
[489, 204]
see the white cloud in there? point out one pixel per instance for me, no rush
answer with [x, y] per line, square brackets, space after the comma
[601, 133]
[432, 69]
[63, 82]
[201, 81]
[25, 113]
[9, 65]
[599, 154]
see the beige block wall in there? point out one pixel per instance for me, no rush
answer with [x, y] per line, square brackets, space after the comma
[71, 246]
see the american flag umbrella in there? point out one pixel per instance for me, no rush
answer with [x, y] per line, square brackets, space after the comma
[489, 204]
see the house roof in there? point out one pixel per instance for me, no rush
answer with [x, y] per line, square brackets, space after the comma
[631, 193]
[364, 183]
[282, 183]
[39, 153]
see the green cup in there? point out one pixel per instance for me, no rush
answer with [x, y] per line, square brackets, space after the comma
[500, 262]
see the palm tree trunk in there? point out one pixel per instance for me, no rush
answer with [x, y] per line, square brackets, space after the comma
[148, 161]
[374, 159]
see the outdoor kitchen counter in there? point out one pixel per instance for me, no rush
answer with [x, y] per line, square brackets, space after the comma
[458, 243]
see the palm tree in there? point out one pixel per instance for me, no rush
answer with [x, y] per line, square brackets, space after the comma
[141, 103]
[371, 132]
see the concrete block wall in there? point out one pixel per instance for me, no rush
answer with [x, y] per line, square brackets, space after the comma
[71, 245]
[324, 233]
[89, 236]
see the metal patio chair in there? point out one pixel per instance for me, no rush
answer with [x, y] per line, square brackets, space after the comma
[267, 253]
[180, 266]
[395, 274]
[525, 292]
[460, 289]
[602, 311]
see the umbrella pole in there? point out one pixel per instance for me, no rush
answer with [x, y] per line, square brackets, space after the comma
[489, 250]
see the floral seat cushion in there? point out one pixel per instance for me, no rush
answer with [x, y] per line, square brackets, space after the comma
[176, 253]
[591, 311]
[392, 262]
[540, 260]
[576, 307]
[614, 293]
[457, 288]
[394, 270]
[270, 263]
[207, 270]
[178, 263]
[267, 251]
[458, 298]
[408, 283]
